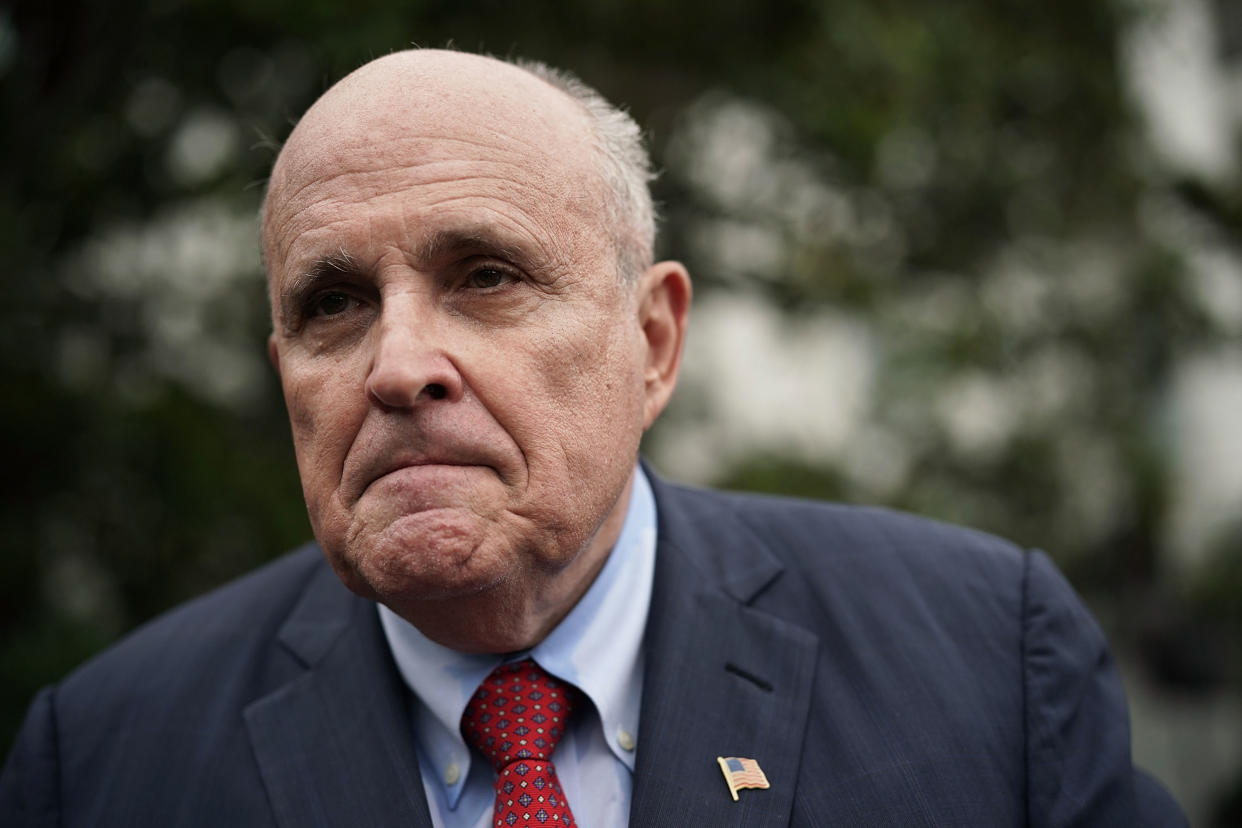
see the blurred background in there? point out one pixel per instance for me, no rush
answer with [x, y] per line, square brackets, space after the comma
[979, 260]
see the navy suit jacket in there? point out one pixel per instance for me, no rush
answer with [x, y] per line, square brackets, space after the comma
[884, 670]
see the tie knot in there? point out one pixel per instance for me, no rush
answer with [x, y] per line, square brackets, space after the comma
[518, 712]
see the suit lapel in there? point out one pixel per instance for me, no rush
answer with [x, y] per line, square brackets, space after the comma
[335, 745]
[721, 678]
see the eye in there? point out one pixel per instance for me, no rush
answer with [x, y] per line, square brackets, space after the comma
[483, 278]
[332, 303]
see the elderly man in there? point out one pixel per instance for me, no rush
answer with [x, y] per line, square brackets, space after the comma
[472, 337]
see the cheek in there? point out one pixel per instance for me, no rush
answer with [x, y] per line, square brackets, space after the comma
[299, 401]
[324, 417]
[576, 402]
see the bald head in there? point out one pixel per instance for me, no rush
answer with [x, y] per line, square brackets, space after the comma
[430, 103]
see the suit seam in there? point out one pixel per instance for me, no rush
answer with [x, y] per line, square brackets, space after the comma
[758, 535]
[1026, 689]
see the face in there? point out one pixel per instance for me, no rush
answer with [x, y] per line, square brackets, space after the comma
[466, 374]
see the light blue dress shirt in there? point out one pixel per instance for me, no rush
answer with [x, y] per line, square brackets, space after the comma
[597, 647]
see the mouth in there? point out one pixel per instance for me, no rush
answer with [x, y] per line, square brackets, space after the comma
[422, 469]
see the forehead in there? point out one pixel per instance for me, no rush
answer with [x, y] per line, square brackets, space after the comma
[483, 144]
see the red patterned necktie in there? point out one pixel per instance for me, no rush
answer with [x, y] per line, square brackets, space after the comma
[515, 719]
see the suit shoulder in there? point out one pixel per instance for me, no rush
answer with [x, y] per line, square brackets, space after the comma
[797, 529]
[230, 621]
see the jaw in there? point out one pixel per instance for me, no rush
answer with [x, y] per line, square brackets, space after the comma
[474, 584]
[512, 614]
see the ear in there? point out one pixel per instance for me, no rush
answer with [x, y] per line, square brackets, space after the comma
[273, 356]
[663, 306]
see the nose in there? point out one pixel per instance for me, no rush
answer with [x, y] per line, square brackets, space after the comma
[410, 365]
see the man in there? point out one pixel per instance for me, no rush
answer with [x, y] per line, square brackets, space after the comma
[472, 337]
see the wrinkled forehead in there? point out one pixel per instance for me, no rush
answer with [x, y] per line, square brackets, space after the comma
[428, 107]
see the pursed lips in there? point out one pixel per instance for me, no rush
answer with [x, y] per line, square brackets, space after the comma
[400, 463]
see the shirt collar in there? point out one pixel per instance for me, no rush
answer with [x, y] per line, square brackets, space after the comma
[597, 647]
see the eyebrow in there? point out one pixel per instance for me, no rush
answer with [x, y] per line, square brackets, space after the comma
[473, 239]
[323, 270]
[441, 245]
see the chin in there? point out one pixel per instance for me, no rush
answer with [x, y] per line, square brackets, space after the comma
[427, 556]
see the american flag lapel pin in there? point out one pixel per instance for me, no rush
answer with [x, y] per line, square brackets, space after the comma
[741, 773]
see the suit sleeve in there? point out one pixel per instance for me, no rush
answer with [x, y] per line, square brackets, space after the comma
[30, 780]
[1079, 771]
